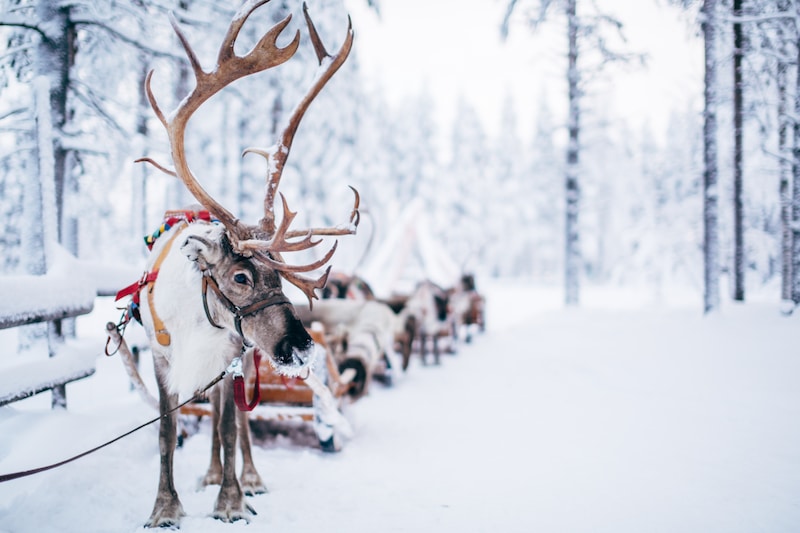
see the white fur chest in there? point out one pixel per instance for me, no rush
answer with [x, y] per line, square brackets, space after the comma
[198, 352]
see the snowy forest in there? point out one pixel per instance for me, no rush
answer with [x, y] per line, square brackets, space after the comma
[585, 199]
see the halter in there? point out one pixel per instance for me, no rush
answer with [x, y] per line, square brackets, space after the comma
[238, 312]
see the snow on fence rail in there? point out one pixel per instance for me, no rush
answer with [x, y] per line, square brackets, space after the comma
[49, 298]
[30, 299]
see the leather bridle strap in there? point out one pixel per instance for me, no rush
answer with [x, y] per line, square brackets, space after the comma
[238, 312]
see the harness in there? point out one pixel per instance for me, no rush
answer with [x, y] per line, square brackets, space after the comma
[147, 283]
[148, 279]
[238, 312]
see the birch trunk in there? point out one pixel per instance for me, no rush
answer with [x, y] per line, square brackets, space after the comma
[572, 187]
[710, 186]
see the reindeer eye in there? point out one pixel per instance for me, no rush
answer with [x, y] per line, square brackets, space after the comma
[240, 278]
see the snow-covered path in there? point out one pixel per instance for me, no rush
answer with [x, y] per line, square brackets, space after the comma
[566, 421]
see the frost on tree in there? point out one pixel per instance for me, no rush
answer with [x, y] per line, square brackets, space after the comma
[571, 184]
[710, 185]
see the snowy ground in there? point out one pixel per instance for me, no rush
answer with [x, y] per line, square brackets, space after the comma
[627, 419]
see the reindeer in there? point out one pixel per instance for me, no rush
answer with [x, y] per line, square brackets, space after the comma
[467, 306]
[347, 286]
[213, 291]
[429, 310]
[362, 335]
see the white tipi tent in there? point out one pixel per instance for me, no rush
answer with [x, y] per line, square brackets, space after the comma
[408, 255]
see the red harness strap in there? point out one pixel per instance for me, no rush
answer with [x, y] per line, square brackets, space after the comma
[135, 288]
[238, 388]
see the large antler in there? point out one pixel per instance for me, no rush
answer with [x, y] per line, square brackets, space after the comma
[276, 157]
[229, 68]
[263, 239]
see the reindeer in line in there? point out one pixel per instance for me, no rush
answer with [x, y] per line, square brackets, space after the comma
[213, 291]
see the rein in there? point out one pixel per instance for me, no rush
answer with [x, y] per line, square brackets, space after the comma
[238, 314]
[198, 395]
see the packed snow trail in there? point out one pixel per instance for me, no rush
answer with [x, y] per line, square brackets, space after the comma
[596, 420]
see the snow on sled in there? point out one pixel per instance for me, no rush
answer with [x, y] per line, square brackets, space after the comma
[316, 399]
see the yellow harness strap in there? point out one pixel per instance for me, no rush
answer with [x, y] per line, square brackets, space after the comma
[162, 335]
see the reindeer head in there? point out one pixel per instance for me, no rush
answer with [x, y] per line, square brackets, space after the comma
[242, 264]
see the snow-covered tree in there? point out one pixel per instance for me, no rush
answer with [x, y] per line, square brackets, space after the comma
[587, 33]
[543, 212]
[738, 154]
[462, 210]
[711, 290]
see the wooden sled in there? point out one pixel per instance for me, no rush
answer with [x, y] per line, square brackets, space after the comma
[283, 399]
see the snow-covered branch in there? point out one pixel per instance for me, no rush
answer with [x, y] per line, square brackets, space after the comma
[155, 52]
[21, 22]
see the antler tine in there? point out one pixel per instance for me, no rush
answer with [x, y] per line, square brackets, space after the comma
[282, 267]
[278, 243]
[156, 164]
[308, 285]
[279, 155]
[241, 16]
[355, 218]
[230, 67]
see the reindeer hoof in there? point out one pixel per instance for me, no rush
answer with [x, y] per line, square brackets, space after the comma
[211, 478]
[252, 484]
[233, 515]
[166, 516]
[231, 506]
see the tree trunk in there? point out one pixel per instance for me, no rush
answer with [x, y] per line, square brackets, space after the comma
[178, 196]
[795, 223]
[710, 185]
[139, 187]
[785, 169]
[738, 206]
[572, 190]
[54, 58]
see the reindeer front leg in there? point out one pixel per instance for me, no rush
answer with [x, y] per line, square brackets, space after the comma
[167, 510]
[250, 479]
[230, 505]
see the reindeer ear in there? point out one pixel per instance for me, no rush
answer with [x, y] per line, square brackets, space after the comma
[204, 249]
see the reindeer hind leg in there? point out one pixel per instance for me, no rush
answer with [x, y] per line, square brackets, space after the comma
[230, 505]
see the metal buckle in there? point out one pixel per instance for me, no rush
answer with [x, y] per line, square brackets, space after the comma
[235, 367]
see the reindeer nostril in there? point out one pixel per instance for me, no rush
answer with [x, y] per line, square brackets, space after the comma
[283, 351]
[295, 341]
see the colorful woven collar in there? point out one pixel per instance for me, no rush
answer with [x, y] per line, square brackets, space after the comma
[173, 217]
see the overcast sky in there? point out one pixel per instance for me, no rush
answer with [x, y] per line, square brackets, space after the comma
[454, 47]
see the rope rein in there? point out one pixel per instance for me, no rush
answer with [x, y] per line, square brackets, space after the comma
[198, 395]
[235, 367]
